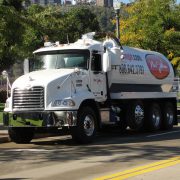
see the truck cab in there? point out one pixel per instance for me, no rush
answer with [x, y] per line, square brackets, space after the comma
[62, 81]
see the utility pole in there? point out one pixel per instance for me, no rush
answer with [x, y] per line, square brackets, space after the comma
[117, 23]
[117, 5]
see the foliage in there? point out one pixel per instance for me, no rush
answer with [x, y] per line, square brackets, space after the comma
[176, 64]
[152, 24]
[1, 109]
[11, 31]
[57, 24]
[22, 32]
[104, 16]
[17, 4]
[80, 21]
[148, 24]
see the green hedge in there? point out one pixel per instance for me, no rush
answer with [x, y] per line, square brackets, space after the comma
[1, 107]
[1, 110]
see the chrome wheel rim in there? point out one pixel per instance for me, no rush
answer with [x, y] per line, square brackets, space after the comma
[89, 125]
[139, 114]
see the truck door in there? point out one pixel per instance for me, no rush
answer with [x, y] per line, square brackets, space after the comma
[97, 77]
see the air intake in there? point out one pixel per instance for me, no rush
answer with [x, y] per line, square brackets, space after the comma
[28, 99]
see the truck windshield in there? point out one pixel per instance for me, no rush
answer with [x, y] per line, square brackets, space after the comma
[60, 59]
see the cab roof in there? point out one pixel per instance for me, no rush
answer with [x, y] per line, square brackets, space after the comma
[81, 44]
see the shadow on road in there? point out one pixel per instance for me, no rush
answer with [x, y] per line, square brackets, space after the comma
[127, 146]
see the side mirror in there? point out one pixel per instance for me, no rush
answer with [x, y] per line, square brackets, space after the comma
[106, 61]
[26, 66]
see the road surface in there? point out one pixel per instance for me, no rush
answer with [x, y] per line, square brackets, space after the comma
[137, 155]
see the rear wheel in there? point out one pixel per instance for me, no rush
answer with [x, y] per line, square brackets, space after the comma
[122, 125]
[154, 117]
[21, 135]
[135, 115]
[168, 116]
[86, 128]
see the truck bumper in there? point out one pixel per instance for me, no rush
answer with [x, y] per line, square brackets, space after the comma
[40, 119]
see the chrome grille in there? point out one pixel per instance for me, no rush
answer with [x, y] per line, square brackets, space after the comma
[28, 99]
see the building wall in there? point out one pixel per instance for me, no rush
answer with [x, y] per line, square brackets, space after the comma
[104, 3]
[44, 2]
[100, 2]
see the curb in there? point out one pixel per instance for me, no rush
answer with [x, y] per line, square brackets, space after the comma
[4, 137]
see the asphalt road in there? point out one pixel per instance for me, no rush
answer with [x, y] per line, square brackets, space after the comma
[59, 158]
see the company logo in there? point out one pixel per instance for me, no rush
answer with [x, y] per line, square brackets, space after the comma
[157, 66]
[30, 78]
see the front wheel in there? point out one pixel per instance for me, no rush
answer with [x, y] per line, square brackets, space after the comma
[85, 130]
[21, 135]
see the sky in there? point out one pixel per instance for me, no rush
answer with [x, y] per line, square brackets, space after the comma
[127, 1]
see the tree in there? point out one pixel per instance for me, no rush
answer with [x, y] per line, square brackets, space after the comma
[80, 20]
[11, 31]
[152, 24]
[104, 16]
[21, 32]
[58, 23]
[17, 4]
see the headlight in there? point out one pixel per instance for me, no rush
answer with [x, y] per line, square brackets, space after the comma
[65, 102]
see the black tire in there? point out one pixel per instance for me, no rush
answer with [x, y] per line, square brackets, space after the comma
[122, 125]
[168, 116]
[154, 118]
[136, 115]
[21, 135]
[86, 128]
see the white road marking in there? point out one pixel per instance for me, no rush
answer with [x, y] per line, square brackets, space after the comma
[161, 134]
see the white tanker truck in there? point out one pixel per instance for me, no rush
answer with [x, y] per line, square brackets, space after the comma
[89, 83]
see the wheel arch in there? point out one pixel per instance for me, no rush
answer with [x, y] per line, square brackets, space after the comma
[94, 105]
